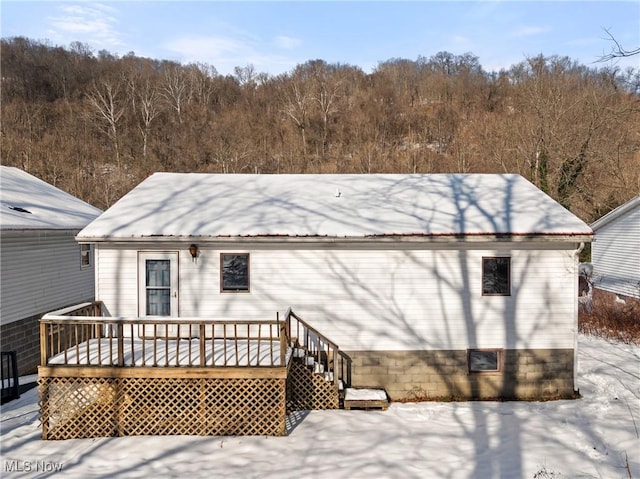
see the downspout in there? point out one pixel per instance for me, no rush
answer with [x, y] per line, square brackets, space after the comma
[576, 263]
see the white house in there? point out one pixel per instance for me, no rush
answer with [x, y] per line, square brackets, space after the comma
[42, 266]
[615, 252]
[456, 286]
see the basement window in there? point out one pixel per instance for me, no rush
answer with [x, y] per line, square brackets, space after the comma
[484, 360]
[234, 272]
[496, 276]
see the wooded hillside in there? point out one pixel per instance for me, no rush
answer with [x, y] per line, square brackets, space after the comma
[95, 125]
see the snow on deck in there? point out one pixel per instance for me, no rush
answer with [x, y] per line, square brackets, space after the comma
[339, 206]
[183, 352]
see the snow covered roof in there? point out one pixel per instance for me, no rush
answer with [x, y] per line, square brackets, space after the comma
[616, 213]
[214, 206]
[28, 203]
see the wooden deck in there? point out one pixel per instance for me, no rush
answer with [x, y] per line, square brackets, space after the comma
[103, 376]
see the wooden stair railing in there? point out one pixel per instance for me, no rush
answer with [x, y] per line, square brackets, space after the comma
[316, 351]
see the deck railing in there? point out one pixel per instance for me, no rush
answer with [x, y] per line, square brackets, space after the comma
[81, 336]
[317, 350]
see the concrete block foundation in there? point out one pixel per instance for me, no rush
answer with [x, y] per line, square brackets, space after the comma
[530, 374]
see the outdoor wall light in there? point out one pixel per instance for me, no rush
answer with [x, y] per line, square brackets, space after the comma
[193, 251]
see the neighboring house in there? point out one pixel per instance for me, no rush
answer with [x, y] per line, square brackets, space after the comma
[615, 252]
[435, 286]
[42, 266]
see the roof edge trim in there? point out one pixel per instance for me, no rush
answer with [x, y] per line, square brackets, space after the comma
[480, 237]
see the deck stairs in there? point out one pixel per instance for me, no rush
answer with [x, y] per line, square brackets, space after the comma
[320, 373]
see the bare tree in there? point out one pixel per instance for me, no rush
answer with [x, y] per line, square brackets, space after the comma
[246, 76]
[296, 106]
[107, 101]
[201, 77]
[149, 108]
[144, 96]
[326, 93]
[174, 89]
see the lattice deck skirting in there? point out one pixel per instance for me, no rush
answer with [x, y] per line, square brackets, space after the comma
[81, 407]
[306, 390]
[103, 376]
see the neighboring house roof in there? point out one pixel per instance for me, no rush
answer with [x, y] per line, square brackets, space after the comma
[616, 213]
[28, 203]
[187, 205]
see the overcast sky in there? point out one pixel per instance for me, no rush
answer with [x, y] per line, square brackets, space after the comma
[274, 37]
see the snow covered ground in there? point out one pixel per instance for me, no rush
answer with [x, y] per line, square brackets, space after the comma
[595, 436]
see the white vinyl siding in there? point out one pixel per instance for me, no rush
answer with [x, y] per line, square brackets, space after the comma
[616, 255]
[41, 272]
[408, 298]
[117, 280]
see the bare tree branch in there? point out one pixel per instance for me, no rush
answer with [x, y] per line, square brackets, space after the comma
[617, 50]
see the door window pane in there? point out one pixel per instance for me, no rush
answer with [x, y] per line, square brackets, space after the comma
[158, 287]
[158, 302]
[158, 272]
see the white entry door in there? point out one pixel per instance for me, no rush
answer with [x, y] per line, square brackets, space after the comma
[158, 284]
